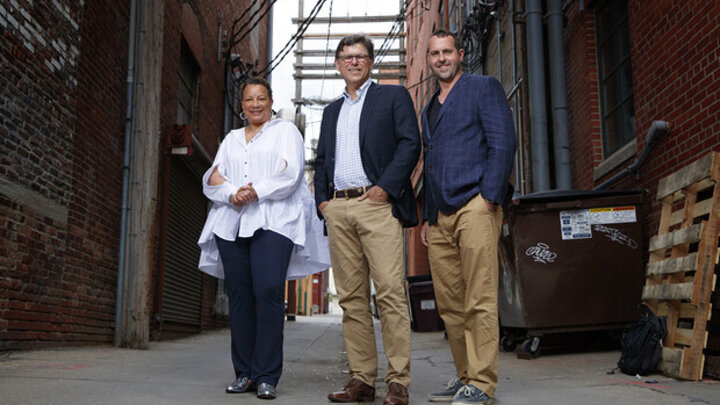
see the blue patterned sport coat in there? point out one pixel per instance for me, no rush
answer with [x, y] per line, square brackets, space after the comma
[470, 149]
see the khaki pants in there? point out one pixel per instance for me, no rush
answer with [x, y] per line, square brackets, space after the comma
[366, 242]
[463, 261]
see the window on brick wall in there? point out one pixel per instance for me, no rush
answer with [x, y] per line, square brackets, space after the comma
[614, 74]
[188, 86]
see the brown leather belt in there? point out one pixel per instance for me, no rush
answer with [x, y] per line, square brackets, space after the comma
[351, 192]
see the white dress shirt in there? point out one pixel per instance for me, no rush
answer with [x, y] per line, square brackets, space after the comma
[273, 161]
[349, 171]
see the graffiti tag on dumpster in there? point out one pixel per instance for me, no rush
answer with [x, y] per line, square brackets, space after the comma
[616, 236]
[541, 253]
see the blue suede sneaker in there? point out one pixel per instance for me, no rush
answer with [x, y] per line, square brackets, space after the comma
[448, 393]
[471, 395]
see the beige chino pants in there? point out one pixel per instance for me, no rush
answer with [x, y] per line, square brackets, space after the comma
[366, 242]
[463, 261]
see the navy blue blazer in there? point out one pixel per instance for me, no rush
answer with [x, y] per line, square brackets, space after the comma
[389, 148]
[470, 149]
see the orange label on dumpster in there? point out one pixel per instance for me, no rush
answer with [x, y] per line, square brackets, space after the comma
[612, 215]
[577, 224]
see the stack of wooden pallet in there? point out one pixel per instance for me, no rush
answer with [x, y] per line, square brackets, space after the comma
[682, 263]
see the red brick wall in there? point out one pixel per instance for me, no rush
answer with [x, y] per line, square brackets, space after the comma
[62, 123]
[584, 124]
[61, 153]
[676, 76]
[421, 22]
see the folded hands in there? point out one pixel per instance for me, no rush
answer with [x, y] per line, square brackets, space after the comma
[244, 196]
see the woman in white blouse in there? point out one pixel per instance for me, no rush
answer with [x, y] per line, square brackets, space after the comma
[261, 229]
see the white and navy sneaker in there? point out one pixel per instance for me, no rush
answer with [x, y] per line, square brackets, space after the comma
[471, 395]
[448, 393]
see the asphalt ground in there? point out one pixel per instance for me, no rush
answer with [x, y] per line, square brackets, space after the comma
[195, 370]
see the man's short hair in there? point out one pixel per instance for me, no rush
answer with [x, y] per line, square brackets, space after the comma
[441, 33]
[351, 40]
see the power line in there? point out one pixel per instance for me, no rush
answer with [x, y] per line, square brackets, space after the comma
[420, 82]
[382, 51]
[249, 30]
[235, 34]
[230, 88]
[237, 20]
[232, 30]
[390, 37]
[293, 40]
[327, 46]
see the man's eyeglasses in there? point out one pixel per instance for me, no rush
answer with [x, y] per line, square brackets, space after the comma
[358, 58]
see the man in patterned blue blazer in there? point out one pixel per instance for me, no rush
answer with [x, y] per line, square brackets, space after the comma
[470, 144]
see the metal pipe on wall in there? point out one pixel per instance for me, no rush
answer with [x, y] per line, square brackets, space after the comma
[498, 38]
[519, 157]
[538, 115]
[227, 112]
[271, 22]
[129, 121]
[561, 144]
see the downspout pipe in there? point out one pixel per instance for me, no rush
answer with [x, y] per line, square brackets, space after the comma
[519, 169]
[538, 115]
[498, 39]
[129, 121]
[561, 144]
[657, 131]
[271, 22]
[226, 107]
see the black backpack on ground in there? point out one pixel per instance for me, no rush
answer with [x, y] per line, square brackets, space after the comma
[642, 343]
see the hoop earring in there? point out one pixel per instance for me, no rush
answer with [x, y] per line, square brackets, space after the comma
[242, 116]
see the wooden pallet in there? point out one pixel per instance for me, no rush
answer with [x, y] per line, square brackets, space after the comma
[681, 269]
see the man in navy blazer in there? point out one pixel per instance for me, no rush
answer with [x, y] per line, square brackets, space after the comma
[470, 144]
[369, 144]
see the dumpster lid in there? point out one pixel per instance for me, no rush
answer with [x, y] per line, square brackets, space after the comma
[569, 195]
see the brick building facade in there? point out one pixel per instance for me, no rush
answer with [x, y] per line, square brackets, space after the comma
[667, 52]
[62, 124]
[673, 50]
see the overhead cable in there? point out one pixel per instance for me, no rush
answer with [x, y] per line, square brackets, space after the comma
[249, 30]
[392, 35]
[327, 48]
[302, 27]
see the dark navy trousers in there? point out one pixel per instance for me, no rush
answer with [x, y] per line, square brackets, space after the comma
[255, 270]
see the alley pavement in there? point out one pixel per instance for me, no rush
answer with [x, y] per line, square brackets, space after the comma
[195, 370]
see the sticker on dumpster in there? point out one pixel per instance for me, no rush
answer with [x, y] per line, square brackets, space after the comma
[616, 236]
[427, 304]
[541, 253]
[575, 224]
[613, 215]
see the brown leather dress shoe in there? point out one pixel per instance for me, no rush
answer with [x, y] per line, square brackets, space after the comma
[397, 395]
[354, 391]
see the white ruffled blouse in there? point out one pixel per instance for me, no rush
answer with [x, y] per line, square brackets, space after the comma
[273, 161]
